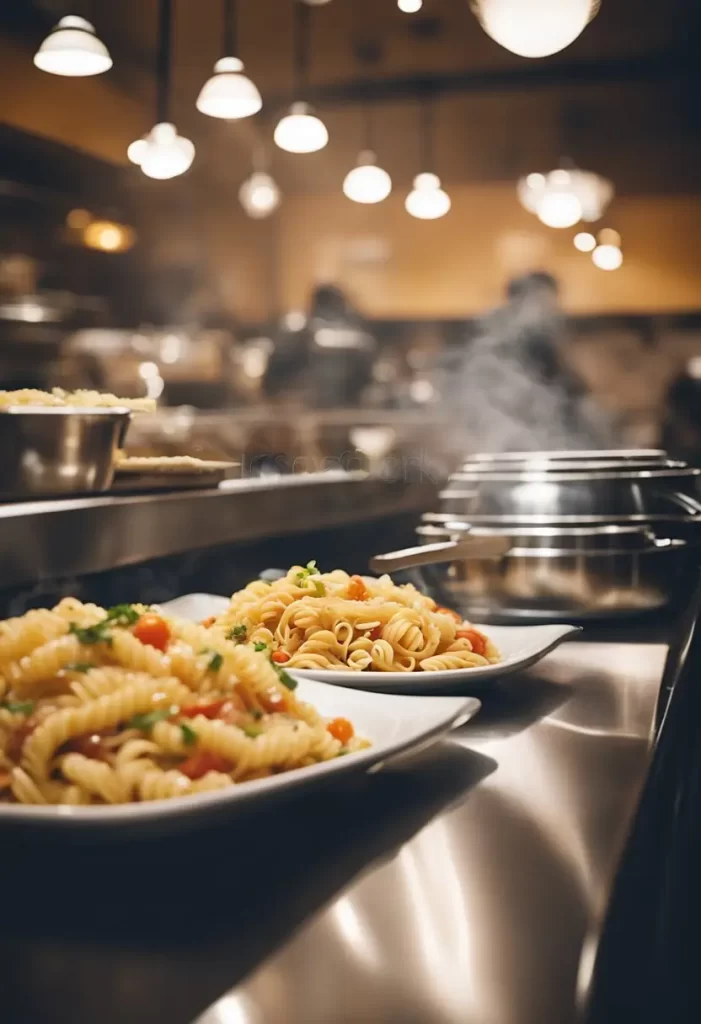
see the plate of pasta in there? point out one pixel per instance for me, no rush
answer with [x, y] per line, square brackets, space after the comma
[132, 714]
[368, 633]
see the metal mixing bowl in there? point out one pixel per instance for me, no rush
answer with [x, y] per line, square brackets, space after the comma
[48, 452]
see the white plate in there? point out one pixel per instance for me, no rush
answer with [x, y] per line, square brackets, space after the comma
[520, 646]
[393, 724]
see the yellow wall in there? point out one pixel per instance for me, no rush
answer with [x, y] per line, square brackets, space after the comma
[458, 266]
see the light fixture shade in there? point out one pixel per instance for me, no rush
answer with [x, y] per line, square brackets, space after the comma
[410, 6]
[555, 198]
[534, 28]
[260, 195]
[167, 154]
[607, 257]
[137, 149]
[428, 201]
[73, 50]
[229, 94]
[301, 131]
[367, 183]
[584, 241]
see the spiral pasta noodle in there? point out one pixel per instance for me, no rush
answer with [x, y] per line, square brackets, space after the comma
[127, 705]
[319, 621]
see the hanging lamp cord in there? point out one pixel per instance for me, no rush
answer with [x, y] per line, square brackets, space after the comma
[231, 42]
[163, 69]
[302, 39]
[428, 135]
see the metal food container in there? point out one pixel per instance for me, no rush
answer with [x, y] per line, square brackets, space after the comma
[547, 574]
[50, 452]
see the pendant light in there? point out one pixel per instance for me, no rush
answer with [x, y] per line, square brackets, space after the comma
[428, 200]
[534, 28]
[563, 197]
[367, 183]
[410, 6]
[260, 194]
[165, 153]
[73, 50]
[301, 131]
[229, 94]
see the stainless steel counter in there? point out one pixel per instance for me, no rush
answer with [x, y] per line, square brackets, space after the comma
[49, 539]
[489, 911]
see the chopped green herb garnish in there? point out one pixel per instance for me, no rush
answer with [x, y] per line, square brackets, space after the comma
[320, 588]
[120, 615]
[284, 677]
[342, 752]
[237, 633]
[216, 661]
[79, 666]
[18, 707]
[310, 570]
[260, 646]
[189, 734]
[252, 732]
[147, 721]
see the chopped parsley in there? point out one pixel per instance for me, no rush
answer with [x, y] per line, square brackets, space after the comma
[320, 588]
[252, 732]
[237, 633]
[305, 574]
[216, 661]
[260, 646]
[18, 707]
[146, 722]
[79, 666]
[284, 677]
[120, 615]
[310, 570]
[189, 734]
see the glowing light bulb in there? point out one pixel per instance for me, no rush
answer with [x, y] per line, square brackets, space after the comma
[534, 28]
[607, 236]
[367, 183]
[584, 241]
[410, 6]
[301, 131]
[607, 257]
[428, 201]
[167, 154]
[260, 195]
[559, 209]
[73, 50]
[229, 94]
[137, 149]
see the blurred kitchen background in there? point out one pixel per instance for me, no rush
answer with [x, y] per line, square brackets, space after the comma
[301, 329]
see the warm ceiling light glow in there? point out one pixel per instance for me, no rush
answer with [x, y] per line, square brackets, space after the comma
[78, 220]
[301, 131]
[607, 236]
[260, 195]
[607, 257]
[428, 201]
[108, 236]
[534, 28]
[229, 94]
[136, 150]
[167, 154]
[73, 50]
[584, 241]
[367, 183]
[410, 6]
[559, 210]
[565, 193]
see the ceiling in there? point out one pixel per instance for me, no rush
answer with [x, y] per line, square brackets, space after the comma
[624, 99]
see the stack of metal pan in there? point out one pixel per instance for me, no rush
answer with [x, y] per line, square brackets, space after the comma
[562, 535]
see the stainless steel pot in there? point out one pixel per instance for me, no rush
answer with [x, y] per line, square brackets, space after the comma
[540, 579]
[588, 491]
[48, 452]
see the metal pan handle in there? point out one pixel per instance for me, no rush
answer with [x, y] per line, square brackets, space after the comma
[437, 554]
[685, 501]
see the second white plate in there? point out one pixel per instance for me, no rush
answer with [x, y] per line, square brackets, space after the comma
[520, 646]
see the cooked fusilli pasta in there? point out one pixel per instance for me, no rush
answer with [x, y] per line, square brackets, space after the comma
[318, 621]
[110, 707]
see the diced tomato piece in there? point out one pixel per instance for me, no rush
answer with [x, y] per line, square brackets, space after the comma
[376, 633]
[225, 709]
[17, 739]
[153, 631]
[272, 701]
[478, 641]
[209, 622]
[5, 779]
[202, 762]
[448, 611]
[357, 591]
[341, 729]
[89, 746]
[279, 657]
